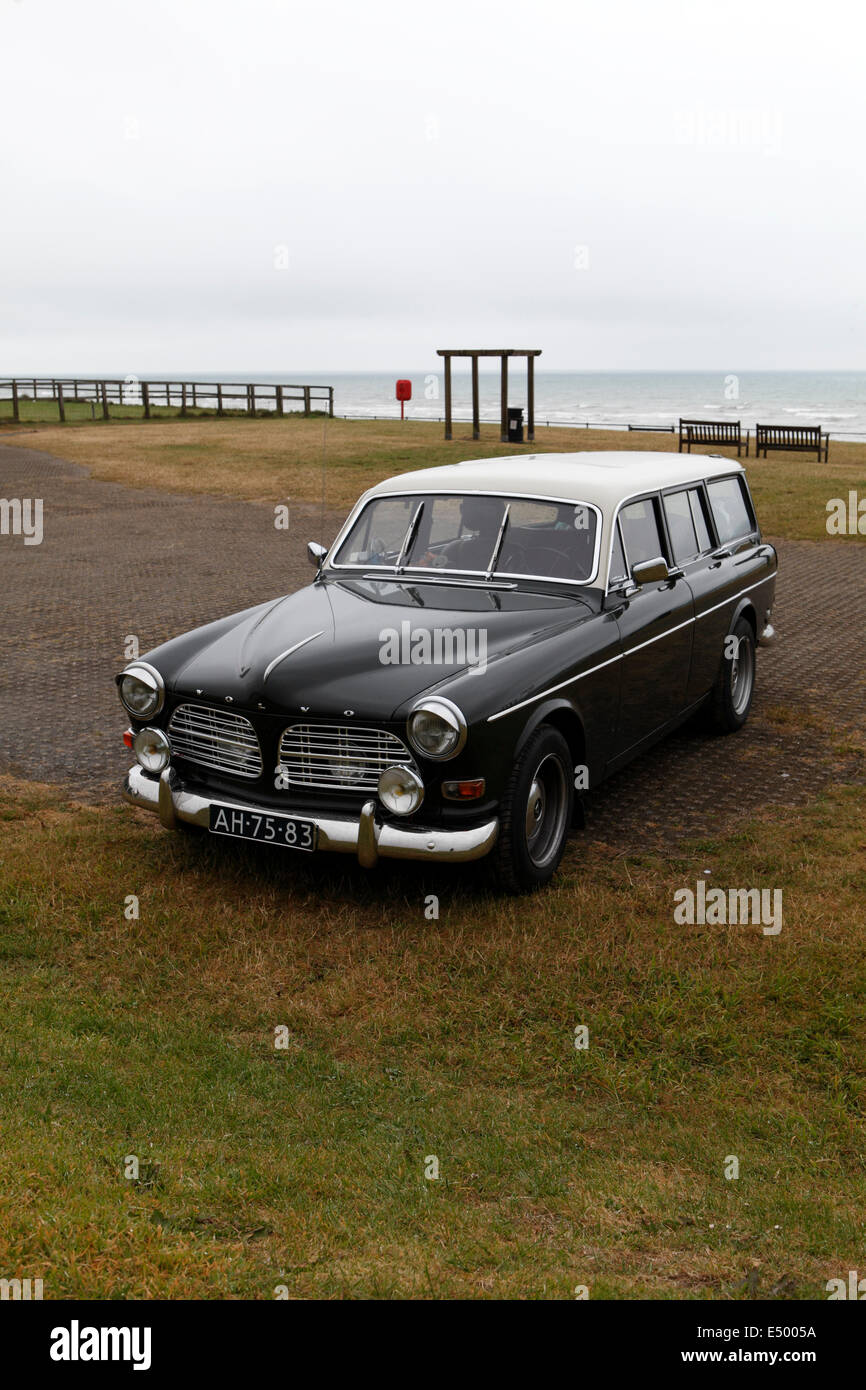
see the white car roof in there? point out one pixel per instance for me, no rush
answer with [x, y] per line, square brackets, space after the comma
[603, 478]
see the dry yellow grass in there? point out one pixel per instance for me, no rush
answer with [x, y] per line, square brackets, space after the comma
[261, 460]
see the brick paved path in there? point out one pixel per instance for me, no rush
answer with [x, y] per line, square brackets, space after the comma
[118, 560]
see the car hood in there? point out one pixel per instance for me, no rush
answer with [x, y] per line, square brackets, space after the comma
[368, 646]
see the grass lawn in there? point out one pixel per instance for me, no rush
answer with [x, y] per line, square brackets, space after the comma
[270, 459]
[410, 1039]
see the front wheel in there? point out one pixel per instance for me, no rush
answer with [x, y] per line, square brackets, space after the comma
[731, 699]
[536, 813]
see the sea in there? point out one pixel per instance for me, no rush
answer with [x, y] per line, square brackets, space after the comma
[836, 400]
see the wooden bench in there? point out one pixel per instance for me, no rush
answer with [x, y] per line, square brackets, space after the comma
[724, 432]
[797, 439]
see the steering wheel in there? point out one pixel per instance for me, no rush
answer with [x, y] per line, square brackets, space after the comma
[560, 557]
[513, 558]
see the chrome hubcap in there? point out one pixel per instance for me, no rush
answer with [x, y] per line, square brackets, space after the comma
[742, 676]
[546, 808]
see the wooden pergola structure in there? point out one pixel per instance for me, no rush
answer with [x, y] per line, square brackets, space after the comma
[503, 353]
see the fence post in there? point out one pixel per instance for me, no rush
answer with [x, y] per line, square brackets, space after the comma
[306, 400]
[251, 399]
[330, 400]
[145, 399]
[194, 397]
[219, 398]
[15, 414]
[59, 388]
[279, 400]
[183, 398]
[75, 388]
[104, 391]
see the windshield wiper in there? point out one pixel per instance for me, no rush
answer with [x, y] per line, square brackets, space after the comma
[499, 539]
[457, 581]
[409, 537]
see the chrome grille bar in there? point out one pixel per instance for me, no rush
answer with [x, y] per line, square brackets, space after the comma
[339, 756]
[217, 739]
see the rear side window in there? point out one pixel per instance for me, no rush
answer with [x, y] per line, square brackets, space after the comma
[687, 524]
[640, 532]
[697, 506]
[729, 508]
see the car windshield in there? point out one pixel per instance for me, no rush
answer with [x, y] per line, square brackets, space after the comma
[475, 533]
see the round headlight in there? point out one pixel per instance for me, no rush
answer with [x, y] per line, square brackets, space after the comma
[152, 749]
[401, 790]
[142, 690]
[436, 729]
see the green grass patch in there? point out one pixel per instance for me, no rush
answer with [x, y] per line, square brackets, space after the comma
[410, 1039]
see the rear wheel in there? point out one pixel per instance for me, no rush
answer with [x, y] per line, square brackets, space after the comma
[536, 813]
[731, 699]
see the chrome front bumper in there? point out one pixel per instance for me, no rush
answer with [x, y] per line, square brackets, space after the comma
[342, 835]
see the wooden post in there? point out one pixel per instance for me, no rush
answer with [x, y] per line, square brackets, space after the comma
[330, 400]
[306, 400]
[15, 409]
[448, 434]
[530, 398]
[194, 397]
[58, 386]
[279, 400]
[219, 398]
[145, 399]
[75, 388]
[183, 398]
[104, 390]
[251, 400]
[476, 408]
[503, 404]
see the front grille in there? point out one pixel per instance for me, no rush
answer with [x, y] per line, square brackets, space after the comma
[339, 756]
[216, 738]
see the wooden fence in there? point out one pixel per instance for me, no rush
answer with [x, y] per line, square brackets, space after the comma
[183, 395]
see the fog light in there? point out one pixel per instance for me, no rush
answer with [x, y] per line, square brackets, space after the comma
[401, 790]
[152, 749]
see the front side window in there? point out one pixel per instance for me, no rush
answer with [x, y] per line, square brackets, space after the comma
[618, 568]
[474, 534]
[640, 532]
[729, 508]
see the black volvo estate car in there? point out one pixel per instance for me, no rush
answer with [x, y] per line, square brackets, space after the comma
[481, 642]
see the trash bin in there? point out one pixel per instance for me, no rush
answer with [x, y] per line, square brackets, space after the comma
[515, 424]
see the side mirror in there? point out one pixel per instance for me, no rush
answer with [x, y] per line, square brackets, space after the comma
[316, 554]
[650, 571]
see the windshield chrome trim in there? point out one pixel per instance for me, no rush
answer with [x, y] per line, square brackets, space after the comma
[411, 572]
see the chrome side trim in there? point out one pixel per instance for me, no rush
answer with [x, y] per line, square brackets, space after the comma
[288, 652]
[364, 837]
[622, 655]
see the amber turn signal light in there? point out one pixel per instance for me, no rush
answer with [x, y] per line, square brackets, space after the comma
[464, 791]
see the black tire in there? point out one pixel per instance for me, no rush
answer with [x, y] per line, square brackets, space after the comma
[731, 699]
[536, 813]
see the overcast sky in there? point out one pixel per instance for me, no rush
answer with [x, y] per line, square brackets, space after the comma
[279, 186]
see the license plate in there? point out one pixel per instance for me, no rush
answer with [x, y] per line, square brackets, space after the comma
[261, 825]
